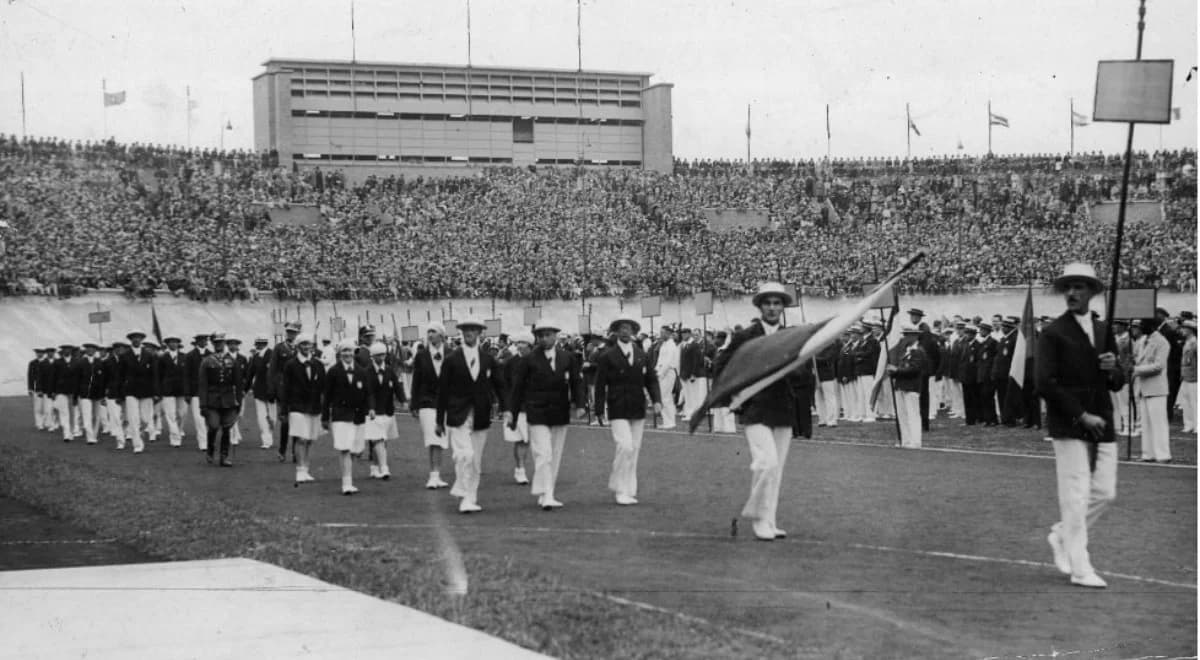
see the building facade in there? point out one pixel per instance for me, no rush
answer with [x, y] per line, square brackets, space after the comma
[377, 118]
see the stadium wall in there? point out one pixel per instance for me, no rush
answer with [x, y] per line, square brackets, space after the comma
[26, 322]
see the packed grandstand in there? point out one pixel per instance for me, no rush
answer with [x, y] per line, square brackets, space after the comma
[152, 220]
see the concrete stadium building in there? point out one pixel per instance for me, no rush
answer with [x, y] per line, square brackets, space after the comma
[380, 118]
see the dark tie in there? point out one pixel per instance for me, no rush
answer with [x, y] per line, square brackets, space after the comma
[472, 363]
[437, 357]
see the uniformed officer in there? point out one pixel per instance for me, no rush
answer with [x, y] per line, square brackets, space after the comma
[234, 345]
[220, 394]
[280, 355]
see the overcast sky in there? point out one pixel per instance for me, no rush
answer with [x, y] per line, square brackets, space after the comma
[865, 58]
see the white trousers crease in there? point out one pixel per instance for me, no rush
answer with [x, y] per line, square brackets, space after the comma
[768, 455]
[546, 445]
[1082, 495]
[627, 436]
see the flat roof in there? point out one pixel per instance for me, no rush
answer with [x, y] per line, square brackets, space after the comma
[463, 67]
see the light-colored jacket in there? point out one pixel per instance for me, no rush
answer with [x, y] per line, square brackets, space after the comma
[1187, 366]
[1150, 364]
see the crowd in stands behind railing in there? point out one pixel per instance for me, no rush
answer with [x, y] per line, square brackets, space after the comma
[153, 220]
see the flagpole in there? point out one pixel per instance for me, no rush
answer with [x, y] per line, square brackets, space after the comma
[908, 132]
[469, 107]
[104, 97]
[353, 40]
[189, 117]
[828, 134]
[23, 131]
[989, 127]
[1071, 118]
[1116, 261]
[747, 136]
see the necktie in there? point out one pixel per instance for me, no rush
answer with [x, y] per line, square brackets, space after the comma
[550, 357]
[437, 357]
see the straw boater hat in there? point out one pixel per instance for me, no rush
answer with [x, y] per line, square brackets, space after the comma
[916, 311]
[909, 329]
[472, 322]
[545, 325]
[522, 336]
[1078, 272]
[612, 327]
[135, 333]
[772, 289]
[292, 326]
[435, 327]
[378, 349]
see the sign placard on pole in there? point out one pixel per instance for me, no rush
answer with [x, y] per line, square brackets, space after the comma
[704, 303]
[492, 329]
[885, 301]
[1134, 91]
[651, 307]
[338, 324]
[96, 318]
[791, 289]
[585, 323]
[410, 333]
[451, 327]
[1135, 304]
[532, 315]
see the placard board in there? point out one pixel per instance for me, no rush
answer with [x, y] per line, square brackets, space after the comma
[1134, 91]
[1135, 303]
[792, 291]
[585, 323]
[96, 318]
[704, 303]
[491, 328]
[886, 302]
[532, 315]
[338, 324]
[451, 327]
[651, 307]
[410, 333]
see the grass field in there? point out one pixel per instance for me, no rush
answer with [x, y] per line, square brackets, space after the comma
[892, 553]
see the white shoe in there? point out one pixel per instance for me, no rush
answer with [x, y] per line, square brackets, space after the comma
[138, 450]
[385, 473]
[1061, 561]
[348, 489]
[374, 472]
[779, 533]
[626, 500]
[1090, 580]
[763, 531]
[468, 507]
[550, 503]
[519, 476]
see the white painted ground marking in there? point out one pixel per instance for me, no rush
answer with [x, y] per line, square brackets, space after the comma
[62, 541]
[722, 537]
[685, 617]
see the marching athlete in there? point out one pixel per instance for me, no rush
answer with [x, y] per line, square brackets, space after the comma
[623, 380]
[220, 390]
[300, 390]
[468, 381]
[386, 393]
[518, 435]
[346, 408]
[427, 370]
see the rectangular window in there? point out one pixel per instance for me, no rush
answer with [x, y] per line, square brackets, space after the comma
[523, 131]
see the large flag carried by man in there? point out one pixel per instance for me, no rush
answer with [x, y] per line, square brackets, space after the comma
[761, 362]
[1020, 373]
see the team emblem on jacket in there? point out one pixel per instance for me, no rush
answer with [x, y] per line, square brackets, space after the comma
[359, 384]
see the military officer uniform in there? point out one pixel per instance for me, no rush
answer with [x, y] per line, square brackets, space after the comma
[220, 394]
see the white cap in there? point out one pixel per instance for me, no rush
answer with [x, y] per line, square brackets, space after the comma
[378, 349]
[436, 327]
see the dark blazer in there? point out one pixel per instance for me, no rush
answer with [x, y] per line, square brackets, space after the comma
[776, 405]
[300, 390]
[985, 358]
[425, 379]
[221, 381]
[31, 375]
[280, 356]
[258, 379]
[968, 370]
[90, 378]
[931, 345]
[621, 388]
[827, 361]
[191, 371]
[1070, 380]
[845, 362]
[1003, 362]
[62, 380]
[387, 389]
[139, 374]
[112, 377]
[348, 395]
[172, 374]
[866, 357]
[546, 396]
[911, 367]
[460, 396]
[691, 361]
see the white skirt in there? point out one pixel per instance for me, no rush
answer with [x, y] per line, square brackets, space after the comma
[429, 436]
[305, 427]
[383, 427]
[521, 433]
[347, 436]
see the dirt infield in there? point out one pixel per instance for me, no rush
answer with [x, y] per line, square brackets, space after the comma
[892, 553]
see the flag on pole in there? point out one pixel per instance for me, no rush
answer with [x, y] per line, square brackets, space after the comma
[1020, 372]
[1078, 118]
[997, 120]
[913, 127]
[763, 361]
[960, 144]
[154, 325]
[114, 98]
[747, 121]
[828, 132]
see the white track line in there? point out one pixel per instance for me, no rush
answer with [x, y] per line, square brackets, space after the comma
[62, 541]
[685, 617]
[715, 537]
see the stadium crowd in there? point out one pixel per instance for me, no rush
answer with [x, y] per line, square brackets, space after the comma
[154, 219]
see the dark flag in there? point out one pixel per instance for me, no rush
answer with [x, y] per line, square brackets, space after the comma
[154, 326]
[1020, 374]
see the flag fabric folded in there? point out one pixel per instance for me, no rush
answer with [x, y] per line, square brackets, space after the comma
[1078, 118]
[913, 126]
[997, 120]
[113, 98]
[1020, 372]
[154, 325]
[760, 362]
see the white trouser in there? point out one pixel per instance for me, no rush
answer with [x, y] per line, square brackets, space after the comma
[884, 406]
[1082, 495]
[768, 454]
[235, 431]
[957, 407]
[848, 393]
[116, 421]
[1120, 404]
[827, 403]
[935, 397]
[627, 435]
[908, 411]
[38, 410]
[266, 414]
[666, 387]
[156, 419]
[62, 408]
[468, 459]
[694, 392]
[406, 380]
[139, 415]
[723, 421]
[88, 411]
[173, 408]
[546, 445]
[101, 407]
[198, 422]
[1187, 401]
[866, 410]
[1156, 434]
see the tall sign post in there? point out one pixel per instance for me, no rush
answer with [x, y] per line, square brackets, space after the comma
[704, 307]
